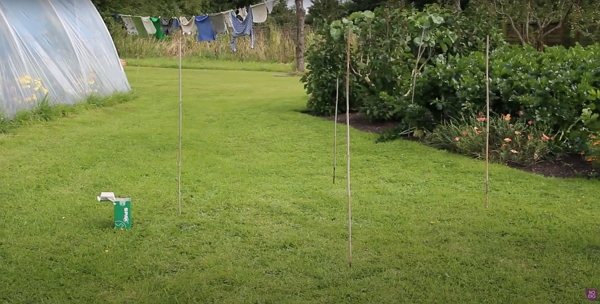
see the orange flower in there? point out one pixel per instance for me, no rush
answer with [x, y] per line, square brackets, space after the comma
[457, 138]
[530, 122]
[506, 117]
[592, 136]
[514, 151]
[529, 137]
[535, 156]
[582, 153]
[507, 139]
[479, 132]
[596, 143]
[480, 118]
[545, 137]
[591, 159]
[504, 145]
[465, 133]
[517, 132]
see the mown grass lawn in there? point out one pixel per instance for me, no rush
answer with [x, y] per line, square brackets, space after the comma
[262, 222]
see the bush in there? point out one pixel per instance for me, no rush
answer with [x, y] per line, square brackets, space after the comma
[516, 141]
[389, 46]
[326, 64]
[557, 88]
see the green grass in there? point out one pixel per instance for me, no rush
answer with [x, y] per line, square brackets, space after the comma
[262, 222]
[47, 110]
[208, 64]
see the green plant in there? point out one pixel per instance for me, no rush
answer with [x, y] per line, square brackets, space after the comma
[326, 64]
[46, 110]
[511, 140]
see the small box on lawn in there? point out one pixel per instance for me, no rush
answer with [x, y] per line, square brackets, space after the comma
[122, 213]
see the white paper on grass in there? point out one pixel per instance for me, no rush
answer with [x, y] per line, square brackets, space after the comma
[61, 48]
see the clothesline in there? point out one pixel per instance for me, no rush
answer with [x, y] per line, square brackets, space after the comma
[207, 26]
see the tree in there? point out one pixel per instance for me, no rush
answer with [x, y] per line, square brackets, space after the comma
[326, 11]
[533, 20]
[300, 18]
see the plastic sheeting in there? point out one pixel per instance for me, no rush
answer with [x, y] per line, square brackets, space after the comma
[55, 48]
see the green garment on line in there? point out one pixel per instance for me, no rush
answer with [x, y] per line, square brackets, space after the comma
[159, 32]
[139, 26]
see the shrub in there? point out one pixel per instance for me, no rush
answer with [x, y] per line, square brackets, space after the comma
[326, 64]
[514, 141]
[387, 46]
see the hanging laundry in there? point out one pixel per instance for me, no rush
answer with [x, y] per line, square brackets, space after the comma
[205, 29]
[259, 13]
[187, 26]
[148, 25]
[158, 28]
[167, 25]
[227, 19]
[242, 28]
[218, 23]
[129, 25]
[139, 26]
[270, 6]
[243, 12]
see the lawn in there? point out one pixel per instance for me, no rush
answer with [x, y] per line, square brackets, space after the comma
[262, 221]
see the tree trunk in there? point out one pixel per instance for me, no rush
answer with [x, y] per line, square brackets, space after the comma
[300, 17]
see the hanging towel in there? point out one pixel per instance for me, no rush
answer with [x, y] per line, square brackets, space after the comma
[270, 6]
[175, 23]
[129, 25]
[218, 23]
[242, 28]
[139, 25]
[259, 13]
[187, 26]
[148, 25]
[167, 25]
[158, 28]
[205, 29]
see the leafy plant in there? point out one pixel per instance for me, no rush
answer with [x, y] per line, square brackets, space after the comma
[511, 140]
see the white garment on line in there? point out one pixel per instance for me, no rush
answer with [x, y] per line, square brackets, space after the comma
[187, 26]
[148, 25]
[269, 4]
[227, 19]
[259, 13]
[243, 12]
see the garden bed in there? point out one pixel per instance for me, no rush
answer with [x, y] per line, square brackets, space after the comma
[568, 166]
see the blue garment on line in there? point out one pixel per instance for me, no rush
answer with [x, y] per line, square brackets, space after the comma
[242, 28]
[205, 30]
[175, 23]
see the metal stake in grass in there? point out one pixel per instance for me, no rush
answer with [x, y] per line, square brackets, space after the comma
[487, 119]
[348, 148]
[337, 90]
[180, 127]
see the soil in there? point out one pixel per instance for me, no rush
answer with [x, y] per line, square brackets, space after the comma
[568, 166]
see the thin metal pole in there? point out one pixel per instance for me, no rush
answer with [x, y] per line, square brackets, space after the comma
[487, 128]
[348, 148]
[180, 127]
[337, 92]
